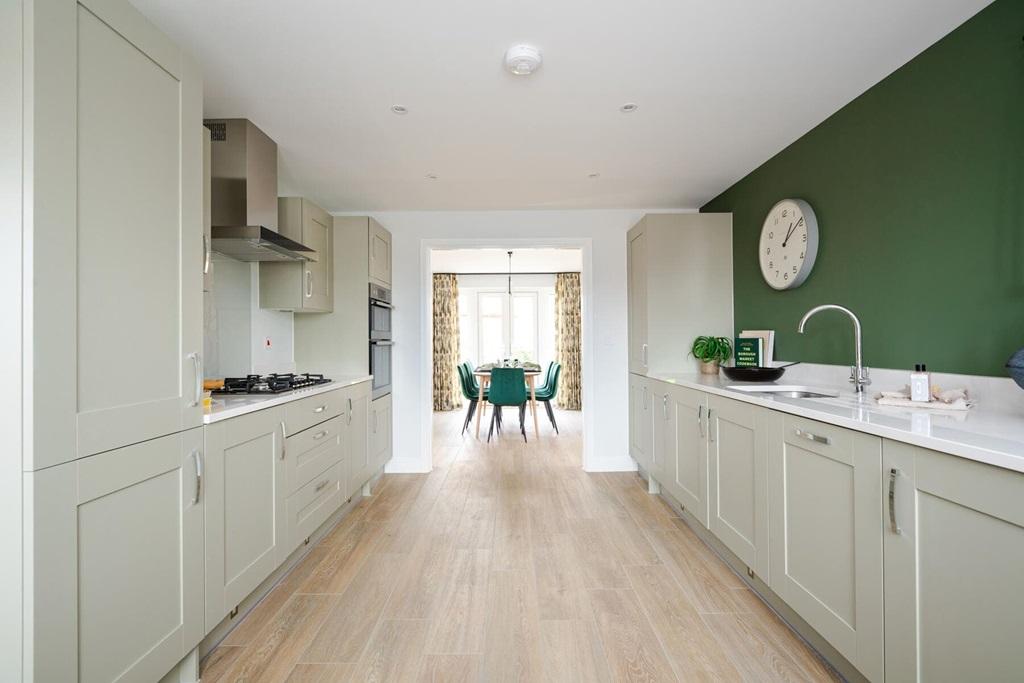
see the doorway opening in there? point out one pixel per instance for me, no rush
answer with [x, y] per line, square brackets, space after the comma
[508, 306]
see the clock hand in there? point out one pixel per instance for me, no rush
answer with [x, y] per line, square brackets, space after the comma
[787, 235]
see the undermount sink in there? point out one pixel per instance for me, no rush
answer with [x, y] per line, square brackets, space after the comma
[786, 391]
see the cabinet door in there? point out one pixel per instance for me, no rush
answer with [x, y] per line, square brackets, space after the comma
[636, 265]
[361, 466]
[116, 239]
[245, 520]
[116, 557]
[687, 478]
[738, 496]
[825, 492]
[380, 254]
[380, 431]
[663, 434]
[316, 234]
[954, 610]
[641, 425]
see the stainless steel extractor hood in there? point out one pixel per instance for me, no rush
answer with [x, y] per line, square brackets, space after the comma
[244, 195]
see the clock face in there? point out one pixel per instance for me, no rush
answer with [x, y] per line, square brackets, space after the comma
[789, 244]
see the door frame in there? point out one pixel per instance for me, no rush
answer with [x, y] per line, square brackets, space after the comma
[585, 245]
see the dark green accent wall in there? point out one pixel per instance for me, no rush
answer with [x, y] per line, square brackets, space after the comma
[918, 186]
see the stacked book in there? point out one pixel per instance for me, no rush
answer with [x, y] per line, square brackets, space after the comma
[755, 348]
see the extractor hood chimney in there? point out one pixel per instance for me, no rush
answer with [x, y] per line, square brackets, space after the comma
[244, 195]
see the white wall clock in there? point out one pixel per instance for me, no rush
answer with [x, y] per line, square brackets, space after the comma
[789, 244]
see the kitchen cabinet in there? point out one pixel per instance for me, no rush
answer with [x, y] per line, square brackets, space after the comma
[112, 231]
[954, 549]
[737, 481]
[114, 562]
[207, 211]
[679, 286]
[361, 465]
[825, 495]
[380, 254]
[303, 287]
[686, 449]
[314, 503]
[246, 526]
[380, 431]
[641, 422]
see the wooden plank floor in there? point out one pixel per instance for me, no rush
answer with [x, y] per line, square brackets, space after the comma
[508, 562]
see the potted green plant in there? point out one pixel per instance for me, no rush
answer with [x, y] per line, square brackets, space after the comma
[711, 352]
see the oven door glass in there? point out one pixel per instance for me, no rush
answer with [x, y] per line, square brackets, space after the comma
[380, 367]
[380, 321]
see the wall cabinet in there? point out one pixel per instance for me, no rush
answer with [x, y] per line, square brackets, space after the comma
[245, 516]
[380, 431]
[825, 494]
[738, 486]
[207, 210]
[641, 423]
[679, 281]
[380, 254]
[954, 552]
[114, 562]
[113, 231]
[304, 287]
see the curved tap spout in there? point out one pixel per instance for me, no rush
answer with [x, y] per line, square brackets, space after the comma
[858, 373]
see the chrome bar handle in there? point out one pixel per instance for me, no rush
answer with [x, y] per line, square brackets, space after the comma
[643, 352]
[812, 437]
[197, 459]
[197, 365]
[711, 431]
[664, 407]
[206, 254]
[700, 420]
[319, 435]
[320, 487]
[320, 409]
[284, 438]
[349, 419]
[309, 284]
[893, 526]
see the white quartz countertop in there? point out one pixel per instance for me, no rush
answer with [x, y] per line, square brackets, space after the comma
[982, 433]
[227, 406]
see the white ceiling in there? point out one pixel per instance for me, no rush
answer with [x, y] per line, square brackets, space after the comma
[722, 85]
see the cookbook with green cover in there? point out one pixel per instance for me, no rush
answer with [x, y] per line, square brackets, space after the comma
[749, 352]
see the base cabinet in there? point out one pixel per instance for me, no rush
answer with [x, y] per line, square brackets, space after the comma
[954, 558]
[825, 495]
[685, 442]
[245, 514]
[738, 485]
[380, 431]
[641, 423]
[115, 555]
[361, 466]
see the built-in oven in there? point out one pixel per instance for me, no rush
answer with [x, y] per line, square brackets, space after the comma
[381, 343]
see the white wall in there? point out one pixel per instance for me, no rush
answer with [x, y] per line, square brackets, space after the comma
[605, 367]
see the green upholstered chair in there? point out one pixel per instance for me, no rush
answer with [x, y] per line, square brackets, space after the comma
[470, 391]
[547, 378]
[508, 388]
[547, 393]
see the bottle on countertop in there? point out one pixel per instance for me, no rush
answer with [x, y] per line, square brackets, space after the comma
[920, 384]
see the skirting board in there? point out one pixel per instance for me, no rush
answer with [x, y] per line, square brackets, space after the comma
[828, 654]
[405, 466]
[625, 464]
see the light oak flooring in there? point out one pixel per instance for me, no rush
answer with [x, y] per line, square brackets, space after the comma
[508, 562]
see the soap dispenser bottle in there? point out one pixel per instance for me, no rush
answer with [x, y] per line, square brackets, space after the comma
[920, 384]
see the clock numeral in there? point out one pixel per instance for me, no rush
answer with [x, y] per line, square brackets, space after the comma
[801, 254]
[771, 235]
[785, 276]
[771, 264]
[803, 237]
[769, 251]
[785, 212]
[794, 269]
[799, 222]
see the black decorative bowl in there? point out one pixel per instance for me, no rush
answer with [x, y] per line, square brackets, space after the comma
[1015, 366]
[759, 374]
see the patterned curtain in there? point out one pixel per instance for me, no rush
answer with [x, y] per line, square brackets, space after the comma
[567, 339]
[447, 392]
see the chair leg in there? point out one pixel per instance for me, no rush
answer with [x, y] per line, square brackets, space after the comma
[497, 413]
[522, 420]
[551, 415]
[469, 416]
[491, 430]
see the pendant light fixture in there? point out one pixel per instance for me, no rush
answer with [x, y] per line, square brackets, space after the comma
[509, 350]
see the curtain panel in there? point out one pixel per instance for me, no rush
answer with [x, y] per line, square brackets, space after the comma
[447, 392]
[567, 340]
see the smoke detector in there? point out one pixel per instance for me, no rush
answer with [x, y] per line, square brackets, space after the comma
[522, 60]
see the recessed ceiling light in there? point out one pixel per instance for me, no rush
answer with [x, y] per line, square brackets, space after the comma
[523, 60]
[593, 175]
[629, 107]
[399, 109]
[430, 176]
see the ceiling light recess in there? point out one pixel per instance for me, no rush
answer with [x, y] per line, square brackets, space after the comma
[431, 176]
[400, 109]
[523, 60]
[629, 107]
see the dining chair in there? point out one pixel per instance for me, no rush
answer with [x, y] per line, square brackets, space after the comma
[548, 393]
[471, 392]
[508, 388]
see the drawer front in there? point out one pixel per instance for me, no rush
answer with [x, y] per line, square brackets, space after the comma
[310, 506]
[306, 412]
[312, 451]
[817, 437]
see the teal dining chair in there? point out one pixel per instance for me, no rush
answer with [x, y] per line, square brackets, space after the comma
[470, 392]
[549, 391]
[508, 388]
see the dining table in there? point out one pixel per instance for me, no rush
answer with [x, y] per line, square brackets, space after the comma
[484, 378]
